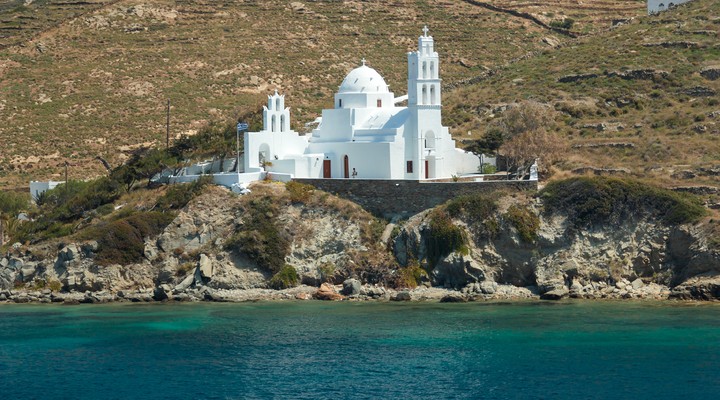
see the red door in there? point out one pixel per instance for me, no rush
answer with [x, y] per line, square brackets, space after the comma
[326, 169]
[347, 167]
[427, 170]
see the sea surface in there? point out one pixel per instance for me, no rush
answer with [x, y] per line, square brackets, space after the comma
[320, 350]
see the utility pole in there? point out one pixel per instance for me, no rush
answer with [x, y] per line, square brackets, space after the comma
[241, 126]
[167, 127]
[66, 180]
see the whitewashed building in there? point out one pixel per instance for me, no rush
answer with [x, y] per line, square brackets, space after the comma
[656, 6]
[367, 134]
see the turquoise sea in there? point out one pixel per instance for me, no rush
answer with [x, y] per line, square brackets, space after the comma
[317, 350]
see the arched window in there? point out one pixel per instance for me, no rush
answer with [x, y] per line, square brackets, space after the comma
[282, 123]
[273, 124]
[432, 70]
[432, 94]
[277, 104]
[379, 103]
[424, 70]
[424, 94]
[430, 140]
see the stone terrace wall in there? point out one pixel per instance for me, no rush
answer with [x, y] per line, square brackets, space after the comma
[388, 198]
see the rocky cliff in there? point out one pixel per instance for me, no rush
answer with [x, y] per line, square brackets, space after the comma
[505, 246]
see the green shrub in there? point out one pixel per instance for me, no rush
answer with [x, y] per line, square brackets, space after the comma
[299, 192]
[488, 169]
[12, 202]
[285, 278]
[443, 237]
[123, 241]
[410, 276]
[525, 221]
[475, 207]
[592, 200]
[179, 195]
[260, 236]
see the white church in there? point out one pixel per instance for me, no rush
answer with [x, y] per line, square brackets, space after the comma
[367, 135]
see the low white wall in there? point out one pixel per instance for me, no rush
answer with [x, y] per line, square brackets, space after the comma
[38, 188]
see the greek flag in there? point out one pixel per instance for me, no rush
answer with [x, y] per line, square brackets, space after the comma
[242, 126]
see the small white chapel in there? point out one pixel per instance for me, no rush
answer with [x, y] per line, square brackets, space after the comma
[367, 134]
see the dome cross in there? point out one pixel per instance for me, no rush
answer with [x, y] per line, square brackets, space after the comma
[425, 30]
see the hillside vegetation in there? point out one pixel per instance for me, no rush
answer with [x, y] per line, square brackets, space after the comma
[86, 79]
[98, 84]
[640, 98]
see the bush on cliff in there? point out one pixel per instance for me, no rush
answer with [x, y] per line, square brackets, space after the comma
[524, 221]
[179, 195]
[299, 192]
[478, 210]
[592, 200]
[443, 237]
[410, 276]
[123, 241]
[260, 236]
[286, 278]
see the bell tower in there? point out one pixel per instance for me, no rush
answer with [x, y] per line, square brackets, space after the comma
[276, 118]
[424, 73]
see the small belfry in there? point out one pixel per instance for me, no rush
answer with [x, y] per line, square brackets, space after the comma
[367, 134]
[276, 118]
[424, 73]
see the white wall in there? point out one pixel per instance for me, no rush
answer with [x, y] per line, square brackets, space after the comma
[38, 188]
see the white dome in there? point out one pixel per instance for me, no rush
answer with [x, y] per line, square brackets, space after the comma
[363, 79]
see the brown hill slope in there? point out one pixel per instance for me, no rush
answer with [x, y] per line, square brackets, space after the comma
[641, 97]
[97, 84]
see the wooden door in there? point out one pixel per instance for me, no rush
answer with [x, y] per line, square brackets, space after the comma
[326, 169]
[346, 167]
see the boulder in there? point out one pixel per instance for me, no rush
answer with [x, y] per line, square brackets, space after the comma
[69, 252]
[351, 287]
[327, 292]
[402, 296]
[15, 263]
[28, 272]
[150, 252]
[186, 283]
[205, 267]
[457, 271]
[162, 292]
[488, 287]
[711, 73]
[453, 298]
[89, 248]
[555, 294]
[637, 284]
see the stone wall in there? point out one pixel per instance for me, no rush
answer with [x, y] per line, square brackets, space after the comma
[388, 198]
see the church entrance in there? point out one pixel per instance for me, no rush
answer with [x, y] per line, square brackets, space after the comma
[326, 169]
[346, 167]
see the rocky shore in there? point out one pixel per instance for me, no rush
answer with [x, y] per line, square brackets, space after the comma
[334, 257]
[353, 290]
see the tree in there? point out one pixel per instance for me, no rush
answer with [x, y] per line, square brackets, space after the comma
[527, 130]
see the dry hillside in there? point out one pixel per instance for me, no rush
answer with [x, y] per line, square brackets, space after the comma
[82, 79]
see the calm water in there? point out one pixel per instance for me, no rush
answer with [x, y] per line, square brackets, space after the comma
[318, 350]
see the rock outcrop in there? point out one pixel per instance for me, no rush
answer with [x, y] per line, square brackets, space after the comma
[635, 257]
